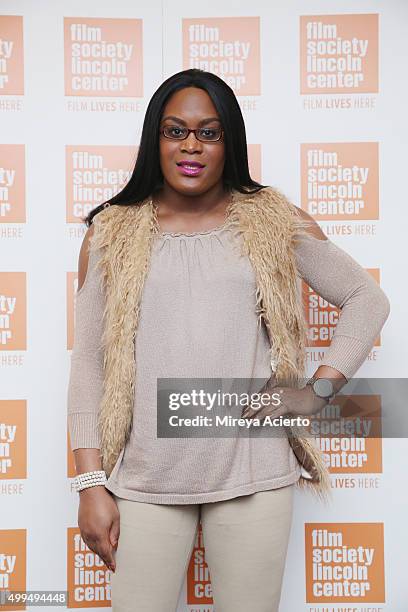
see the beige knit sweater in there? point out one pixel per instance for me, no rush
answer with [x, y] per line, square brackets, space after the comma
[197, 319]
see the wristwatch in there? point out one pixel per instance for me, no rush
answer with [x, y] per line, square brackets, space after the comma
[323, 387]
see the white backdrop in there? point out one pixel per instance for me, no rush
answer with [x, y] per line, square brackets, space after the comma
[64, 148]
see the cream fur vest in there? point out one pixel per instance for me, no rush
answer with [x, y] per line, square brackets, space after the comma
[268, 224]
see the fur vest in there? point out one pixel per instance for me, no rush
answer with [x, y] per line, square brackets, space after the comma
[268, 224]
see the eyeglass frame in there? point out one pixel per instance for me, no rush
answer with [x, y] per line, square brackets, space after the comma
[161, 131]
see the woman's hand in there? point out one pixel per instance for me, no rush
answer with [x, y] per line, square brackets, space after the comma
[293, 402]
[98, 521]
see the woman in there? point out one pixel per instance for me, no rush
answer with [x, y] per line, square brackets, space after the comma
[161, 258]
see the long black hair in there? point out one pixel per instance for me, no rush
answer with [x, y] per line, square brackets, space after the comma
[147, 175]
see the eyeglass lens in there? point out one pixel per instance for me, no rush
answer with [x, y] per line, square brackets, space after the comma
[179, 133]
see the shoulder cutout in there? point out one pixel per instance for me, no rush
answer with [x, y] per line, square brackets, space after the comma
[313, 229]
[84, 257]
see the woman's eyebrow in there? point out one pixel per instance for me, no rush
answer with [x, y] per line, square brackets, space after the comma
[206, 120]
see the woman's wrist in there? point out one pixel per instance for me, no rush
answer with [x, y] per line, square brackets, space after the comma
[316, 401]
[92, 492]
[87, 460]
[90, 479]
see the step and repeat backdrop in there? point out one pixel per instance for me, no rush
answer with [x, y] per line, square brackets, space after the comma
[322, 87]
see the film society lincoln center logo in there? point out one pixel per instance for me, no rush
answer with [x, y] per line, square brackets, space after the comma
[12, 183]
[228, 47]
[339, 180]
[11, 55]
[339, 54]
[13, 317]
[350, 431]
[88, 578]
[94, 174]
[13, 565]
[103, 57]
[344, 563]
[13, 439]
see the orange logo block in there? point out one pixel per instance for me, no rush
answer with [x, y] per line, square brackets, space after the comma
[254, 162]
[344, 563]
[13, 569]
[11, 55]
[351, 434]
[322, 317]
[71, 470]
[199, 591]
[339, 54]
[228, 47]
[95, 174]
[88, 577]
[339, 181]
[103, 57]
[13, 334]
[13, 439]
[72, 286]
[12, 183]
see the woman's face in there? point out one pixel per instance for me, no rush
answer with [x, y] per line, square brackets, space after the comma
[193, 108]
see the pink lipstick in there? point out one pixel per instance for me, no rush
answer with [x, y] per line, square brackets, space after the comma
[190, 168]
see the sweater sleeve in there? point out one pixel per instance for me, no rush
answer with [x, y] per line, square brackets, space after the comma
[364, 307]
[86, 372]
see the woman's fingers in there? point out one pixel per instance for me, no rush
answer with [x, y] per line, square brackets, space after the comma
[114, 533]
[271, 409]
[114, 539]
[106, 552]
[102, 547]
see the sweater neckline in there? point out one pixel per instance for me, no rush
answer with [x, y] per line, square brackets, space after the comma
[212, 230]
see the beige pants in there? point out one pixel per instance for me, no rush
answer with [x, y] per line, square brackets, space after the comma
[245, 542]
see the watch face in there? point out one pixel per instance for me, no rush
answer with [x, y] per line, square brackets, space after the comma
[323, 387]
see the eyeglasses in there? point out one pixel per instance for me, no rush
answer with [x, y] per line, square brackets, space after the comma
[175, 132]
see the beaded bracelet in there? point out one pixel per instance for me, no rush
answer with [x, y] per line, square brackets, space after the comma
[90, 479]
